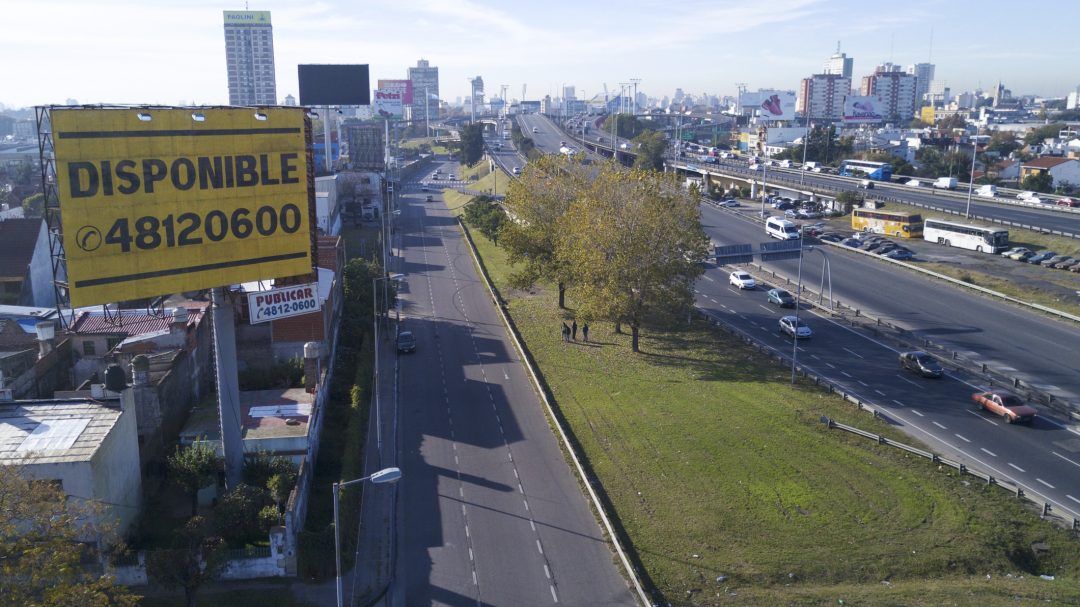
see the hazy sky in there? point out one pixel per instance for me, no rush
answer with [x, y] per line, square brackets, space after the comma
[171, 52]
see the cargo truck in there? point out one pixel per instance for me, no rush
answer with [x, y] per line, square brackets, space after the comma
[945, 183]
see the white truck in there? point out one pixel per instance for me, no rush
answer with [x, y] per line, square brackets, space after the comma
[986, 191]
[945, 183]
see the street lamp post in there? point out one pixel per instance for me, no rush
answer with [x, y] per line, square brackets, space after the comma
[805, 141]
[386, 475]
[798, 298]
[971, 177]
[375, 323]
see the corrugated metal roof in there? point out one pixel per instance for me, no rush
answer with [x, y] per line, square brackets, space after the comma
[130, 323]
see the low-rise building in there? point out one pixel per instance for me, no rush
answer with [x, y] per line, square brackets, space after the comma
[1061, 170]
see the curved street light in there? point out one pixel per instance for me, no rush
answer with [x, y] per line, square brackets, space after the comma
[386, 475]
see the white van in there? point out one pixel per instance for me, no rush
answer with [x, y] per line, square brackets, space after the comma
[778, 227]
[986, 191]
[785, 164]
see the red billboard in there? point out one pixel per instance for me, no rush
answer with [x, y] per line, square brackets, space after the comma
[404, 87]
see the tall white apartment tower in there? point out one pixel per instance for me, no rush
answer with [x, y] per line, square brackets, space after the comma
[924, 75]
[249, 58]
[425, 83]
[839, 64]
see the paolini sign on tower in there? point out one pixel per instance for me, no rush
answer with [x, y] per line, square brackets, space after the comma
[162, 200]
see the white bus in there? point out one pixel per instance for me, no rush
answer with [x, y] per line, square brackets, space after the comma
[975, 238]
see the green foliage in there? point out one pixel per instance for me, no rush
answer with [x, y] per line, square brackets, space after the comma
[1002, 142]
[956, 121]
[485, 215]
[933, 162]
[236, 516]
[41, 554]
[261, 466]
[34, 206]
[192, 468]
[316, 553]
[269, 517]
[650, 152]
[471, 147]
[1038, 182]
[198, 557]
[822, 145]
[281, 374]
[1048, 131]
[627, 126]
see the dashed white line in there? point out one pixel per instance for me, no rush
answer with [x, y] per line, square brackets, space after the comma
[845, 373]
[554, 596]
[862, 383]
[814, 356]
[1072, 498]
[917, 413]
[853, 353]
[988, 452]
[879, 392]
[989, 421]
[939, 425]
[1065, 458]
[908, 380]
[1017, 467]
[898, 403]
[1046, 483]
[539, 547]
[961, 438]
[830, 365]
[706, 277]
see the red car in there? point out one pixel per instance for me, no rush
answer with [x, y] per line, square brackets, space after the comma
[1068, 202]
[1010, 407]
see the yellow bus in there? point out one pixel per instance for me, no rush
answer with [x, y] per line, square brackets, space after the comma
[893, 223]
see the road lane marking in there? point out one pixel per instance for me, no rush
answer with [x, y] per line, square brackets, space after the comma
[898, 403]
[864, 384]
[1072, 498]
[989, 421]
[814, 356]
[908, 381]
[879, 392]
[712, 300]
[988, 452]
[765, 308]
[939, 425]
[917, 413]
[830, 365]
[852, 353]
[706, 277]
[1046, 483]
[845, 374]
[1065, 458]
[1017, 467]
[554, 596]
[962, 438]
[539, 547]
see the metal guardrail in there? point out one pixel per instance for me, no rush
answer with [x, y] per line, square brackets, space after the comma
[989, 479]
[1043, 502]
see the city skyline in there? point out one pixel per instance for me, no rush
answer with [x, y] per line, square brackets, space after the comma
[120, 51]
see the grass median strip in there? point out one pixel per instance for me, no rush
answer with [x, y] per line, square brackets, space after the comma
[730, 491]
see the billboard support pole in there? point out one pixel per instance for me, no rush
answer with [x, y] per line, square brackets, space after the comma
[51, 208]
[228, 390]
[328, 163]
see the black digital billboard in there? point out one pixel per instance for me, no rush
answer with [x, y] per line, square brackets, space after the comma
[334, 85]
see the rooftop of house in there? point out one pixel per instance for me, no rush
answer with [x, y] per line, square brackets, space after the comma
[1046, 162]
[263, 414]
[131, 322]
[14, 337]
[54, 431]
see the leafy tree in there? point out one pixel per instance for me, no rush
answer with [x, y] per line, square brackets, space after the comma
[631, 242]
[485, 215]
[34, 206]
[1002, 142]
[471, 147]
[237, 515]
[627, 126]
[956, 121]
[260, 466]
[42, 547]
[192, 468]
[917, 123]
[536, 202]
[650, 152]
[1043, 132]
[1038, 182]
[198, 557]
[23, 172]
[848, 200]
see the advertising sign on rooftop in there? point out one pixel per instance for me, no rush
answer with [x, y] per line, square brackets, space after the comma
[863, 109]
[165, 200]
[388, 104]
[769, 104]
[247, 17]
[404, 87]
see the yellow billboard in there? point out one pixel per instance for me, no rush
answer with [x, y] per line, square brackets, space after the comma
[165, 200]
[927, 114]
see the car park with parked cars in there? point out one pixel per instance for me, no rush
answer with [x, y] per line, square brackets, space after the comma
[1041, 256]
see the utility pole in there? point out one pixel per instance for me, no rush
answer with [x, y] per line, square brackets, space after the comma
[633, 103]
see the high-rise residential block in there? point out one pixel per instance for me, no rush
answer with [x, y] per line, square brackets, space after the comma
[249, 58]
[425, 86]
[839, 64]
[821, 96]
[924, 75]
[895, 88]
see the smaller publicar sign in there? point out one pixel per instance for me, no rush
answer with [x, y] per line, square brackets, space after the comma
[294, 300]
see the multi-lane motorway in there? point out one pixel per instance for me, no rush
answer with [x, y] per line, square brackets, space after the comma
[1044, 458]
[490, 511]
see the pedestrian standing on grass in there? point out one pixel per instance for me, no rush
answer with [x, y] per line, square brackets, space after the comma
[565, 332]
[585, 332]
[573, 329]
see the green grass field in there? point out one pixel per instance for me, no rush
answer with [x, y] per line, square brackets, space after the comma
[714, 465]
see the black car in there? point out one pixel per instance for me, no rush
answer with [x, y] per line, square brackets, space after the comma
[921, 363]
[406, 342]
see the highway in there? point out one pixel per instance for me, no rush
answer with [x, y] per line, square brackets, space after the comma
[1038, 350]
[491, 513]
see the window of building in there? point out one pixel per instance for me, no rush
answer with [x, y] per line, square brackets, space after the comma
[88, 348]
